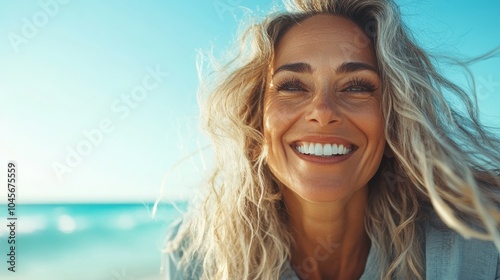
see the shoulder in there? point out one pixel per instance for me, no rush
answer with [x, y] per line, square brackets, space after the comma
[448, 255]
[172, 254]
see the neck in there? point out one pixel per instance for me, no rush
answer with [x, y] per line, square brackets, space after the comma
[329, 236]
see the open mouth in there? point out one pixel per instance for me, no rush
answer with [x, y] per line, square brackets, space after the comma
[324, 150]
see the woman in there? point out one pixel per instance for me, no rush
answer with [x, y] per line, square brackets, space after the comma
[338, 157]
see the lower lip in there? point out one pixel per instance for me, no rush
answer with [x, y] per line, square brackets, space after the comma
[324, 160]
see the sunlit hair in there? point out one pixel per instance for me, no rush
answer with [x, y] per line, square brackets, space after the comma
[439, 156]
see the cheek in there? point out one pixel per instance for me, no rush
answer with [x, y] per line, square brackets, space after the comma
[376, 125]
[273, 125]
[373, 127]
[279, 115]
[370, 120]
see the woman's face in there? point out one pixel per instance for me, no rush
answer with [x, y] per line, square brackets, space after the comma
[323, 121]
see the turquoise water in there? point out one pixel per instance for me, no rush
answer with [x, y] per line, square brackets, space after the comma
[87, 241]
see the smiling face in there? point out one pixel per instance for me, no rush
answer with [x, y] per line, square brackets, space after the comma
[323, 122]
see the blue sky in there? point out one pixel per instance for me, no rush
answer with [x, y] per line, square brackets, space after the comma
[98, 98]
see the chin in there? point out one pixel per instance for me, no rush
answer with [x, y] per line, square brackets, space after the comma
[325, 192]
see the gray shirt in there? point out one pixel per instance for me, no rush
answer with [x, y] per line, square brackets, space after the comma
[447, 256]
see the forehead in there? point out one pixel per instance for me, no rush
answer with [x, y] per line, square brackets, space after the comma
[325, 38]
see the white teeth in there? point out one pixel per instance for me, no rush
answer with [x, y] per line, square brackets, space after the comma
[311, 149]
[318, 149]
[327, 150]
[335, 149]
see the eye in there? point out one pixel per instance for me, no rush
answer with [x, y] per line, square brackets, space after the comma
[360, 85]
[290, 85]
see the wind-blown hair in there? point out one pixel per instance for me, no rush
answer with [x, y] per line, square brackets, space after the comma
[440, 157]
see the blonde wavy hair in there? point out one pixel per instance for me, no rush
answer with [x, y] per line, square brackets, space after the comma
[442, 157]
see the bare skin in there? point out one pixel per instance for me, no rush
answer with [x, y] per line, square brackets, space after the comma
[325, 91]
[323, 251]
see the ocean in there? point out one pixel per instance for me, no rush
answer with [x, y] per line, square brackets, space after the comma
[86, 241]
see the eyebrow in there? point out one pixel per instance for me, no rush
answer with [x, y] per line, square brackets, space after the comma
[346, 67]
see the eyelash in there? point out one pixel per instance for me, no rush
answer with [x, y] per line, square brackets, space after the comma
[286, 84]
[362, 85]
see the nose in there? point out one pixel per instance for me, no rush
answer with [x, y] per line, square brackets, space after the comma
[323, 109]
